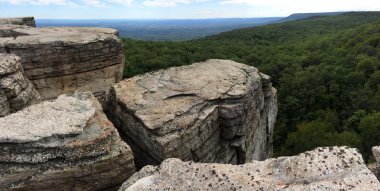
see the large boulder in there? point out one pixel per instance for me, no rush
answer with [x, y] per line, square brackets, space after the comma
[66, 59]
[322, 169]
[65, 144]
[215, 111]
[16, 91]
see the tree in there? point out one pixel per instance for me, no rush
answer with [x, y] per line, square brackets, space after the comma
[370, 132]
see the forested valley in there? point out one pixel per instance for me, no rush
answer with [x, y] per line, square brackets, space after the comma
[326, 70]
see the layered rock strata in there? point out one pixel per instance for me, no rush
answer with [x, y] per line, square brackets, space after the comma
[16, 91]
[66, 144]
[215, 111]
[334, 168]
[63, 60]
[27, 21]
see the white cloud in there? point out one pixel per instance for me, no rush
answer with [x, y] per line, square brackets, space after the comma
[122, 2]
[292, 6]
[96, 3]
[102, 3]
[169, 3]
[38, 2]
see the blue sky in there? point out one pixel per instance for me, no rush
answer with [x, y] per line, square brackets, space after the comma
[179, 9]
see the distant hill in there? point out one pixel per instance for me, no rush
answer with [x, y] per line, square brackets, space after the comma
[174, 29]
[326, 70]
[164, 30]
[300, 16]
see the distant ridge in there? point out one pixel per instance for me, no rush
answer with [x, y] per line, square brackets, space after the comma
[165, 29]
[177, 29]
[300, 16]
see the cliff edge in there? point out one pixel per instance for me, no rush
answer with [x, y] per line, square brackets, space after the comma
[214, 111]
[64, 60]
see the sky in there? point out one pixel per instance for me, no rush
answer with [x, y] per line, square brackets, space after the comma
[175, 9]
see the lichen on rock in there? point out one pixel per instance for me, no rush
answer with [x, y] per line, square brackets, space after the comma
[322, 169]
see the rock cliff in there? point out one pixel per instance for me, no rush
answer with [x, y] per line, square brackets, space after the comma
[334, 168]
[65, 144]
[16, 91]
[27, 21]
[215, 111]
[212, 112]
[62, 60]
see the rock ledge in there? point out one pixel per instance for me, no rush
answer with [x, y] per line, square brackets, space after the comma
[334, 168]
[66, 144]
[61, 60]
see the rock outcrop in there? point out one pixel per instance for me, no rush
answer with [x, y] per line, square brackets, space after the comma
[334, 168]
[16, 91]
[376, 153]
[63, 60]
[66, 144]
[375, 167]
[215, 111]
[27, 21]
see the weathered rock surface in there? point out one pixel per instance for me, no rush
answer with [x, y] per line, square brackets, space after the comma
[66, 144]
[16, 91]
[375, 167]
[334, 168]
[376, 153]
[216, 111]
[27, 21]
[64, 60]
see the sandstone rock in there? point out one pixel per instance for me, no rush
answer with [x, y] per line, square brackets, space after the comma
[216, 111]
[4, 104]
[376, 153]
[334, 168]
[66, 144]
[16, 91]
[64, 60]
[27, 21]
[8, 31]
[375, 167]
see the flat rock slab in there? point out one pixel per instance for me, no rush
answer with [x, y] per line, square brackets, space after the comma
[68, 144]
[322, 169]
[214, 111]
[61, 60]
[65, 116]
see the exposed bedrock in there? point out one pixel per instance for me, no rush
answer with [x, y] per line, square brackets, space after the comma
[16, 91]
[215, 111]
[322, 169]
[65, 144]
[63, 59]
[27, 21]
[375, 167]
